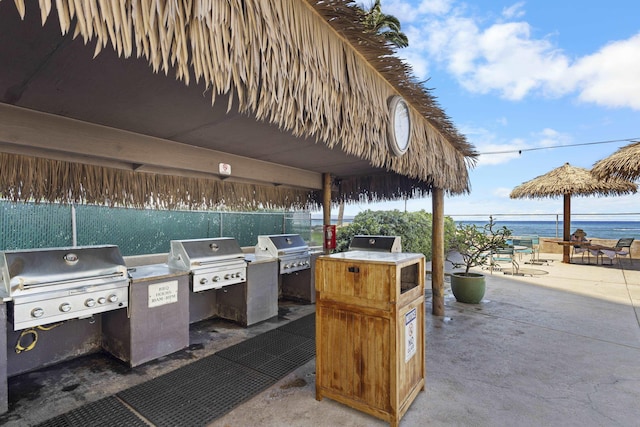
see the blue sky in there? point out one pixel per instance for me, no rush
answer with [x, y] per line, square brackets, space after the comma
[527, 75]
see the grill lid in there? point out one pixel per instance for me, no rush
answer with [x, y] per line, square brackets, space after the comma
[193, 253]
[376, 243]
[278, 245]
[33, 270]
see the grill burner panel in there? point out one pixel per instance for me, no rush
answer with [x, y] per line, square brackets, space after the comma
[213, 263]
[56, 284]
[289, 264]
[74, 303]
[219, 276]
[290, 249]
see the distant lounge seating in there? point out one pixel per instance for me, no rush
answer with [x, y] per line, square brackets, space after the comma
[621, 249]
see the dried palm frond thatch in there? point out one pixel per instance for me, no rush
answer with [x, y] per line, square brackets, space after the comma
[306, 66]
[624, 163]
[26, 178]
[571, 180]
[379, 188]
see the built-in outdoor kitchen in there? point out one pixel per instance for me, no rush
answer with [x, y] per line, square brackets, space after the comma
[152, 108]
[65, 302]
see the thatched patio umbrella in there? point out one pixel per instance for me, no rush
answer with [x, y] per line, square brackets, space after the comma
[624, 163]
[566, 181]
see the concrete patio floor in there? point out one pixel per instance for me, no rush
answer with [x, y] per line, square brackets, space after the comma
[560, 348]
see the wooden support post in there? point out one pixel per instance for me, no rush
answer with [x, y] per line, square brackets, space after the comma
[326, 206]
[566, 235]
[437, 252]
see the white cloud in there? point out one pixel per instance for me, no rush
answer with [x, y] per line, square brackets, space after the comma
[502, 192]
[609, 77]
[493, 152]
[407, 12]
[552, 138]
[504, 57]
[418, 62]
[509, 61]
[514, 11]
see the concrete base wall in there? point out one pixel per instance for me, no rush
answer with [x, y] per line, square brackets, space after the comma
[71, 339]
[554, 248]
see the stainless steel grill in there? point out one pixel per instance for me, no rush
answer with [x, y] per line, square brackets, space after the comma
[376, 243]
[213, 263]
[56, 284]
[290, 249]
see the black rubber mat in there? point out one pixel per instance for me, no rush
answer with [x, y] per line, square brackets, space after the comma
[198, 393]
[274, 353]
[175, 399]
[105, 412]
[305, 326]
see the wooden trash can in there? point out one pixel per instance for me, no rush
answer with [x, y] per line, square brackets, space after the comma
[370, 331]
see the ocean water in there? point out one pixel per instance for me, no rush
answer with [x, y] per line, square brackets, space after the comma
[613, 230]
[595, 229]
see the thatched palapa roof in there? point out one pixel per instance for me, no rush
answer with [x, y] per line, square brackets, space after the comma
[305, 66]
[570, 180]
[624, 163]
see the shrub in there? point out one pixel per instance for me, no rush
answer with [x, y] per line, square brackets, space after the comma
[414, 229]
[476, 244]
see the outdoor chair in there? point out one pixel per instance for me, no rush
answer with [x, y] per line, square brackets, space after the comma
[580, 247]
[527, 244]
[535, 258]
[504, 255]
[621, 249]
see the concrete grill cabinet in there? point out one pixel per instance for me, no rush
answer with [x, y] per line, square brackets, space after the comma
[370, 331]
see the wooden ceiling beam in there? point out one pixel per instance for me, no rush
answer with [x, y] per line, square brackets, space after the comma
[44, 131]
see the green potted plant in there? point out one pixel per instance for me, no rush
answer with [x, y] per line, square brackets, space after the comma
[475, 245]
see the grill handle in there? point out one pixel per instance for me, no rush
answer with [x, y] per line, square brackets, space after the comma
[216, 261]
[25, 286]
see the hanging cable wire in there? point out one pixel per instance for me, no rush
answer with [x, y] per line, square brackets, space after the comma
[521, 150]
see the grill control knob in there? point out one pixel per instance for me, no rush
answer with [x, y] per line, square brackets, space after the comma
[90, 302]
[286, 266]
[203, 281]
[65, 307]
[37, 312]
[113, 298]
[216, 278]
[102, 300]
[228, 276]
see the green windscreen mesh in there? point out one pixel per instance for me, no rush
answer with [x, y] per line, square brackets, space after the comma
[30, 225]
[135, 231]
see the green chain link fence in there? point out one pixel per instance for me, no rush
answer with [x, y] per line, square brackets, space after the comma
[135, 231]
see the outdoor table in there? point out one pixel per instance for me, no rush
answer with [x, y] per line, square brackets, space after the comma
[584, 245]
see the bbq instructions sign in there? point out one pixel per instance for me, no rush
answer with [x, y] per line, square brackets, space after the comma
[163, 293]
[410, 334]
